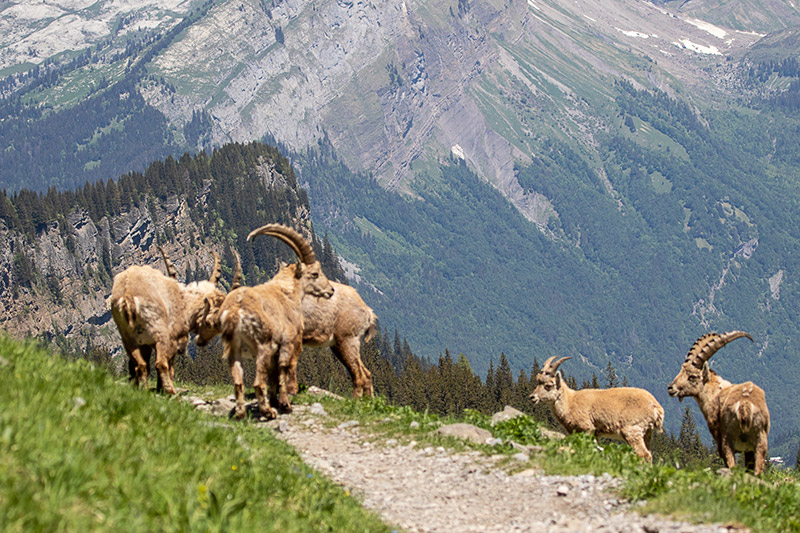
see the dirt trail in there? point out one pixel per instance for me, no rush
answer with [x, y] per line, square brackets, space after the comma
[434, 489]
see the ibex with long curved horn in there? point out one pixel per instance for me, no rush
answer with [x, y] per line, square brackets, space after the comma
[622, 413]
[265, 322]
[152, 310]
[737, 415]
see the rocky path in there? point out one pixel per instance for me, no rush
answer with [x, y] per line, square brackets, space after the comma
[433, 489]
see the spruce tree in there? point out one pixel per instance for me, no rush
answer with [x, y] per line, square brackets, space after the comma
[689, 442]
[504, 382]
[611, 376]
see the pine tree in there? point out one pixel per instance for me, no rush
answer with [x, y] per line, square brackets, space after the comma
[689, 442]
[611, 376]
[504, 382]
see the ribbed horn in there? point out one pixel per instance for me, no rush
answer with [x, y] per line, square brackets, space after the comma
[237, 272]
[295, 241]
[217, 272]
[171, 272]
[546, 365]
[707, 345]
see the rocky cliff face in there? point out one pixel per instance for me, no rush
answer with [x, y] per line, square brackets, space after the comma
[74, 261]
[75, 273]
[397, 85]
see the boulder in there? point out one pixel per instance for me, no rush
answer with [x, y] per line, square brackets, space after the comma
[550, 434]
[465, 431]
[507, 413]
[222, 407]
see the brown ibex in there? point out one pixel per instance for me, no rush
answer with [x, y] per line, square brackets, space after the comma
[622, 413]
[152, 310]
[737, 415]
[265, 322]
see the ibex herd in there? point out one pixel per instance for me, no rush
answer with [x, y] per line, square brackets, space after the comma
[270, 323]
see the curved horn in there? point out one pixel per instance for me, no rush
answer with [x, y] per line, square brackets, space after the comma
[237, 272]
[707, 345]
[295, 241]
[171, 272]
[546, 364]
[217, 272]
[550, 367]
[558, 363]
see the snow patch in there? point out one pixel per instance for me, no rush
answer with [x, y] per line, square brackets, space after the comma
[707, 27]
[590, 18]
[632, 33]
[698, 48]
[534, 6]
[755, 33]
[458, 152]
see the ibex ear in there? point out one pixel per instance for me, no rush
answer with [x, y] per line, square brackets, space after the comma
[298, 270]
[706, 372]
[558, 379]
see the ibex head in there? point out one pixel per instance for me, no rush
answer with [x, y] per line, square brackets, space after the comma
[206, 327]
[549, 382]
[307, 271]
[695, 372]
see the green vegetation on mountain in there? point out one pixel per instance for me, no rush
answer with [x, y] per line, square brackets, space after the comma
[684, 228]
[63, 124]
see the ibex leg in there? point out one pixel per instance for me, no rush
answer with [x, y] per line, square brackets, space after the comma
[348, 351]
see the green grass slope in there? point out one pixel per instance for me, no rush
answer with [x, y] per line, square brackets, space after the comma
[80, 452]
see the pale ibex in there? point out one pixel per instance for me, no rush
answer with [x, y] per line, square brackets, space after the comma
[622, 413]
[152, 310]
[265, 322]
[340, 322]
[737, 415]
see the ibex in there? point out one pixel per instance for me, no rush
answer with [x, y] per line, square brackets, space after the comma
[266, 322]
[152, 310]
[340, 322]
[622, 413]
[737, 415]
